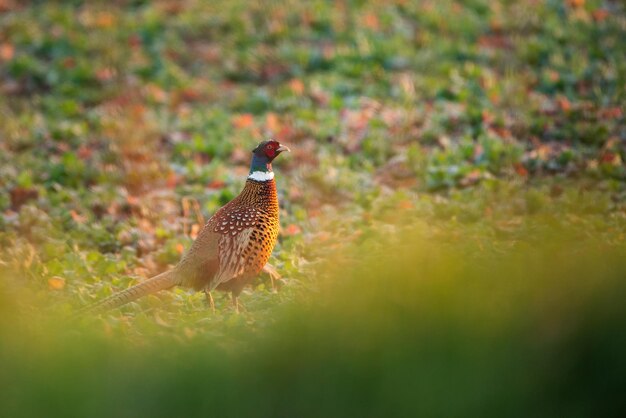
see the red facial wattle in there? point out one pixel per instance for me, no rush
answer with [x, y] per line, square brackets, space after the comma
[270, 151]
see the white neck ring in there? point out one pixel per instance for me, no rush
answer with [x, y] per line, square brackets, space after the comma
[261, 175]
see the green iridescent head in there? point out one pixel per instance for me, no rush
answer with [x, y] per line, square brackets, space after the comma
[264, 154]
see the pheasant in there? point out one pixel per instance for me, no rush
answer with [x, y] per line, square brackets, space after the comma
[233, 246]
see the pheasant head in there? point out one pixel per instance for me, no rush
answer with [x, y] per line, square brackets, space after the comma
[262, 157]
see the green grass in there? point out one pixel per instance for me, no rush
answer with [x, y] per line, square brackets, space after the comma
[418, 327]
[453, 214]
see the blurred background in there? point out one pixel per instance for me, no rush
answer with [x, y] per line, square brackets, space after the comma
[453, 211]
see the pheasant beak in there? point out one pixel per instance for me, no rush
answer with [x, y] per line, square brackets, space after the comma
[282, 148]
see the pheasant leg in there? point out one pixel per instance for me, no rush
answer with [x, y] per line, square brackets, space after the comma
[209, 299]
[235, 300]
[273, 273]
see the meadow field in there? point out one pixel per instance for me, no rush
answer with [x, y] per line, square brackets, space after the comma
[453, 211]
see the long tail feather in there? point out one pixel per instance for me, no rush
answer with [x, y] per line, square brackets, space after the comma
[159, 282]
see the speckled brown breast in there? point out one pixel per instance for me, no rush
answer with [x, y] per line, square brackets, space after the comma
[236, 242]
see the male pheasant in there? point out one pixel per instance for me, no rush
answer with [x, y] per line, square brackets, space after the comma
[234, 245]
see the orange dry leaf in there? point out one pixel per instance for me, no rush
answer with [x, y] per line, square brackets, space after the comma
[180, 248]
[56, 283]
[105, 74]
[172, 180]
[7, 5]
[6, 52]
[495, 24]
[470, 178]
[137, 110]
[521, 170]
[370, 21]
[21, 195]
[132, 200]
[69, 62]
[554, 76]
[156, 93]
[564, 104]
[243, 121]
[79, 219]
[273, 125]
[145, 225]
[600, 15]
[134, 41]
[494, 97]
[296, 86]
[487, 116]
[405, 204]
[323, 236]
[292, 229]
[611, 113]
[216, 184]
[84, 152]
[190, 94]
[576, 3]
[611, 158]
[105, 20]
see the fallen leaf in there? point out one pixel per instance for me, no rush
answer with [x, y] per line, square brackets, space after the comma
[405, 204]
[56, 283]
[371, 21]
[156, 93]
[7, 5]
[564, 104]
[69, 62]
[132, 200]
[576, 3]
[105, 20]
[134, 41]
[21, 195]
[273, 125]
[487, 117]
[471, 178]
[611, 113]
[292, 229]
[323, 236]
[494, 41]
[243, 121]
[79, 219]
[600, 15]
[612, 158]
[521, 170]
[85, 152]
[216, 184]
[6, 52]
[189, 94]
[172, 180]
[105, 74]
[297, 86]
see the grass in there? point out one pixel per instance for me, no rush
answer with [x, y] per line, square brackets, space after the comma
[453, 214]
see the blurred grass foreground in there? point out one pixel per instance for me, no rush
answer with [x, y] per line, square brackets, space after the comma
[453, 213]
[417, 329]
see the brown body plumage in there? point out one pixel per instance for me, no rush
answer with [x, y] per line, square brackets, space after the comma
[236, 242]
[234, 245]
